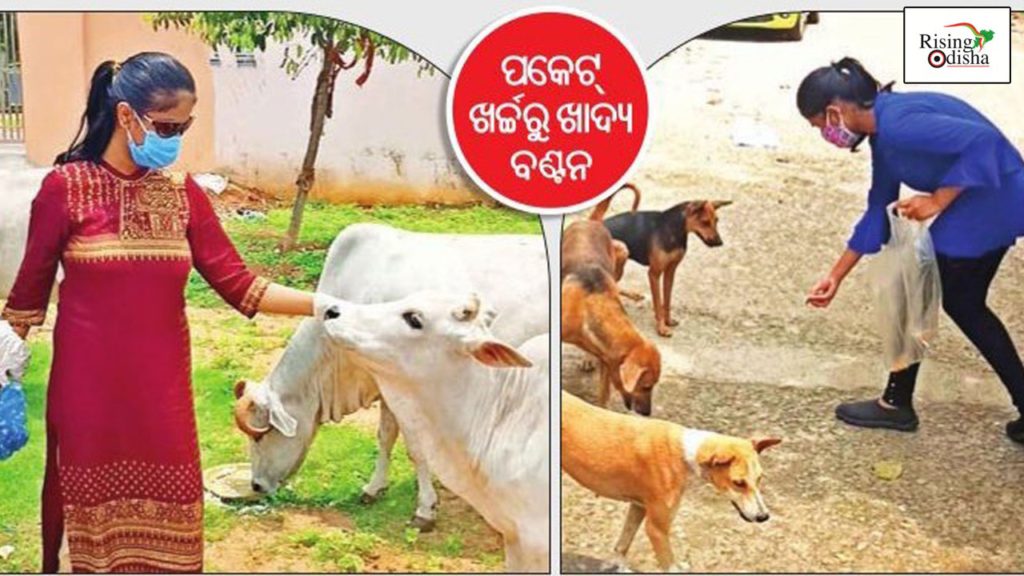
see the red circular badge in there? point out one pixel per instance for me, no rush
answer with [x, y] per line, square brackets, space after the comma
[548, 110]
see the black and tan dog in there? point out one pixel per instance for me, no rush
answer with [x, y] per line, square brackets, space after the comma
[658, 240]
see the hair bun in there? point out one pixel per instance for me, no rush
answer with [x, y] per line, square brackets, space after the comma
[847, 65]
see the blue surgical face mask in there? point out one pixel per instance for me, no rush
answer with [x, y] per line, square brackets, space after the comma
[155, 151]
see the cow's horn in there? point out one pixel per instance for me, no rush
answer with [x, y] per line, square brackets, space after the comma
[470, 310]
[242, 406]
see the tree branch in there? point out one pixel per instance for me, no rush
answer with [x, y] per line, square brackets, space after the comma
[339, 62]
[331, 53]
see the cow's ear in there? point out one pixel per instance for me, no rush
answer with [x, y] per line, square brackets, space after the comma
[279, 417]
[239, 389]
[498, 355]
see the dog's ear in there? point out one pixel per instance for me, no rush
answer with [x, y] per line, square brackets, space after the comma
[630, 373]
[761, 443]
[693, 207]
[712, 458]
[722, 459]
[239, 389]
[720, 203]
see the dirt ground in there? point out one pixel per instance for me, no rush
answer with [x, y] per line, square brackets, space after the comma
[281, 542]
[750, 358]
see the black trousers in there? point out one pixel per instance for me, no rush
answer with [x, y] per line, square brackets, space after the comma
[965, 284]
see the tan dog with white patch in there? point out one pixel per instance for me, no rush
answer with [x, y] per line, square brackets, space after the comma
[646, 462]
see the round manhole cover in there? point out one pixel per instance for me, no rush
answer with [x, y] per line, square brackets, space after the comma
[230, 482]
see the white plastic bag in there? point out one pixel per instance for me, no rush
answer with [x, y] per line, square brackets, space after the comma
[13, 354]
[908, 293]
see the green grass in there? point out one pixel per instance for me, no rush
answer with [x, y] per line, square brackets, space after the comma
[343, 551]
[21, 477]
[341, 459]
[218, 522]
[300, 268]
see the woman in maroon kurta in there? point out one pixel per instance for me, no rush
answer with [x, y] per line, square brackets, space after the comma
[123, 479]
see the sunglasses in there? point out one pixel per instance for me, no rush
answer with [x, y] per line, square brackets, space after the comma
[166, 129]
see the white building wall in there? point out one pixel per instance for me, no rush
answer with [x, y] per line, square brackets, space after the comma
[385, 143]
[19, 184]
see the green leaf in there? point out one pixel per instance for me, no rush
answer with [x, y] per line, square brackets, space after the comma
[888, 469]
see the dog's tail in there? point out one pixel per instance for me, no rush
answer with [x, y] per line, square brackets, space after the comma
[602, 207]
[636, 194]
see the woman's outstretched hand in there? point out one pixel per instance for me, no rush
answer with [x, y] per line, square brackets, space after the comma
[823, 292]
[280, 299]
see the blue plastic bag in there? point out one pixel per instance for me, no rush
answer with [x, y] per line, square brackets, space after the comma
[13, 422]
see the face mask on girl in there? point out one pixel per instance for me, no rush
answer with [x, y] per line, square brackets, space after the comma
[155, 151]
[838, 134]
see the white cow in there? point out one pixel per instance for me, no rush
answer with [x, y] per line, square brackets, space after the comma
[477, 407]
[368, 263]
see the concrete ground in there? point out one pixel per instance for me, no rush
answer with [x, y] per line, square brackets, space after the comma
[750, 358]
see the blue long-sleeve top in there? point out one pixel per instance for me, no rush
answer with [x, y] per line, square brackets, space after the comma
[929, 141]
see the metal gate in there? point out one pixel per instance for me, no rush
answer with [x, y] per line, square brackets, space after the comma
[12, 118]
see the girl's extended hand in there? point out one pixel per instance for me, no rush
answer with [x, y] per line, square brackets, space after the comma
[823, 292]
[919, 207]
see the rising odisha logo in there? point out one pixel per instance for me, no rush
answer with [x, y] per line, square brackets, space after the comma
[963, 51]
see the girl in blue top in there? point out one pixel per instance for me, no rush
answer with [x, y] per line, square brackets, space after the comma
[973, 180]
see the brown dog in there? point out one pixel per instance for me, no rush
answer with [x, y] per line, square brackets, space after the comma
[594, 320]
[645, 462]
[658, 240]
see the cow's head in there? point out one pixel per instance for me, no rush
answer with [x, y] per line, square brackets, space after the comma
[424, 334]
[278, 442]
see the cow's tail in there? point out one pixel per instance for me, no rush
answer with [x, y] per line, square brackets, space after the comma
[602, 207]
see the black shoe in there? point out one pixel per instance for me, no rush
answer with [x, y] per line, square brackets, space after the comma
[869, 414]
[1015, 430]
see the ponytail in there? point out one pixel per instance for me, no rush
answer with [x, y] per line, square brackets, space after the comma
[98, 120]
[845, 80]
[147, 81]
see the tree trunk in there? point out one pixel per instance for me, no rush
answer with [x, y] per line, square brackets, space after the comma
[321, 103]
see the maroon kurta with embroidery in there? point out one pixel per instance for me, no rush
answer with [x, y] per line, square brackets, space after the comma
[123, 477]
